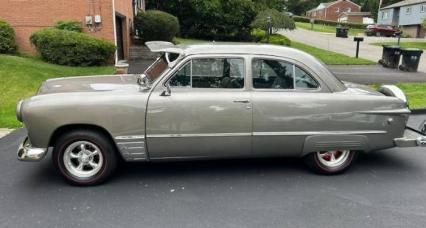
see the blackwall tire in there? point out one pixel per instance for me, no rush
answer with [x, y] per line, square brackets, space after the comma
[322, 166]
[84, 157]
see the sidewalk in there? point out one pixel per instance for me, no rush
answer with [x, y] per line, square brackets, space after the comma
[4, 132]
[346, 46]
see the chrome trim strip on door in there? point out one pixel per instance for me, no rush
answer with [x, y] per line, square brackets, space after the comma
[128, 137]
[198, 135]
[302, 133]
[288, 133]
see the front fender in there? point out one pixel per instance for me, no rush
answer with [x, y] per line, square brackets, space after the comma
[120, 114]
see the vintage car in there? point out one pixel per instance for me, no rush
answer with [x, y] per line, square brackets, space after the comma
[212, 101]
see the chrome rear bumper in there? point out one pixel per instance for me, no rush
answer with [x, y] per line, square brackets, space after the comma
[28, 153]
[412, 138]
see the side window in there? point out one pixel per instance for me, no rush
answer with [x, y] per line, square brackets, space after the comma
[304, 80]
[218, 73]
[182, 77]
[272, 74]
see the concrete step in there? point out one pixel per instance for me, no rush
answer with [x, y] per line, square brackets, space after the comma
[141, 53]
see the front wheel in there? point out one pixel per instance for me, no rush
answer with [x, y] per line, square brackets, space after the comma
[330, 162]
[84, 157]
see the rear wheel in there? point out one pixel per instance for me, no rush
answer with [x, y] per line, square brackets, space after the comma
[84, 157]
[330, 162]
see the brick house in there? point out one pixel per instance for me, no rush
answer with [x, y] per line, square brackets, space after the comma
[356, 17]
[331, 10]
[108, 19]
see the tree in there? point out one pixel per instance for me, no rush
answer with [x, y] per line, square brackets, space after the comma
[278, 20]
[210, 19]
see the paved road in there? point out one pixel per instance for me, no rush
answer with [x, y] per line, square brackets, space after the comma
[374, 74]
[344, 46]
[384, 189]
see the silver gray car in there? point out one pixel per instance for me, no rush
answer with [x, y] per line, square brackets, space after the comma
[212, 101]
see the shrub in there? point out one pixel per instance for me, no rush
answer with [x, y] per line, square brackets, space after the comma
[7, 39]
[156, 25]
[278, 20]
[258, 35]
[326, 22]
[277, 39]
[69, 25]
[72, 48]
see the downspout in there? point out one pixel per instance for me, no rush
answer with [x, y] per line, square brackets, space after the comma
[115, 31]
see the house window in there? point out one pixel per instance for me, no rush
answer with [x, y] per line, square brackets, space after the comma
[337, 9]
[408, 10]
[349, 10]
[422, 8]
[315, 14]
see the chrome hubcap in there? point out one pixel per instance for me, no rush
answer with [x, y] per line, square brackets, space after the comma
[83, 159]
[333, 158]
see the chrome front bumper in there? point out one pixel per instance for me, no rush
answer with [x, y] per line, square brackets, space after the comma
[412, 138]
[26, 152]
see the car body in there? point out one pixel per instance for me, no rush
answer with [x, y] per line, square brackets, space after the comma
[213, 101]
[381, 30]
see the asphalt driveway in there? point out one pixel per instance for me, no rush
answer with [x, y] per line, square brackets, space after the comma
[384, 189]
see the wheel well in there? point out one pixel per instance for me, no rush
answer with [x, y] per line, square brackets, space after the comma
[66, 128]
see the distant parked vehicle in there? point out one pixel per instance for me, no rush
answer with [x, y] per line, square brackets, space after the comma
[381, 30]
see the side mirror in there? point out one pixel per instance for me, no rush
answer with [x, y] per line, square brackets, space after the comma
[143, 80]
[167, 91]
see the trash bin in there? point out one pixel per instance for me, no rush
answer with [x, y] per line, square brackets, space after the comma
[410, 59]
[391, 55]
[342, 32]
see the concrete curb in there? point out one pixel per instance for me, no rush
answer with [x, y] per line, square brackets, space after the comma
[4, 132]
[418, 111]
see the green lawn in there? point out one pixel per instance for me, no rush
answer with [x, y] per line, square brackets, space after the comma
[328, 57]
[327, 28]
[20, 77]
[420, 45]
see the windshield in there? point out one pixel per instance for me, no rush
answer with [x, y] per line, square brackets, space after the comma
[157, 68]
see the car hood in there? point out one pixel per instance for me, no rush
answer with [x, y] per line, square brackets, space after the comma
[90, 84]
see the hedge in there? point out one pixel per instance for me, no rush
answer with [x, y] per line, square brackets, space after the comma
[72, 48]
[69, 25]
[332, 23]
[259, 35]
[7, 38]
[156, 25]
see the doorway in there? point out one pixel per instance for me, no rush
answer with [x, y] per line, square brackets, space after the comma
[119, 35]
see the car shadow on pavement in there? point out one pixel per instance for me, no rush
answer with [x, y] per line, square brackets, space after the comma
[377, 164]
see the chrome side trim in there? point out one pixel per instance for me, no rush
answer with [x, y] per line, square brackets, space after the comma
[287, 133]
[303, 133]
[28, 153]
[132, 147]
[394, 111]
[129, 137]
[198, 135]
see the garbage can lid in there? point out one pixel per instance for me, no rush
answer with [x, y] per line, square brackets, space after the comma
[387, 46]
[412, 50]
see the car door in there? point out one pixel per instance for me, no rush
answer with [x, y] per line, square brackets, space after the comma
[206, 113]
[285, 100]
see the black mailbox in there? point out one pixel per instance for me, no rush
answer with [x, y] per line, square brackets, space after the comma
[358, 39]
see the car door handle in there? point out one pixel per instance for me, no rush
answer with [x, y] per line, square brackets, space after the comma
[245, 101]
